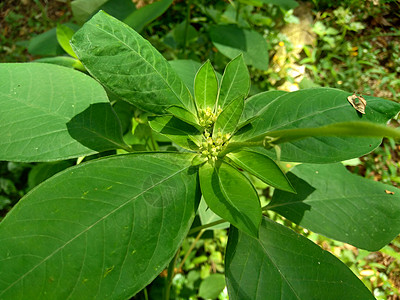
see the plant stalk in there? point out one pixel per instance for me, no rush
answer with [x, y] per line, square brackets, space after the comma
[198, 228]
[170, 275]
[191, 248]
[186, 27]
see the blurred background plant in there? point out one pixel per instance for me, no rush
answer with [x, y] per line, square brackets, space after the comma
[353, 45]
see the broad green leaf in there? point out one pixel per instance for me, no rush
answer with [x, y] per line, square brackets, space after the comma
[315, 108]
[184, 115]
[176, 37]
[119, 9]
[255, 104]
[340, 205]
[64, 35]
[282, 264]
[52, 113]
[83, 9]
[100, 230]
[45, 44]
[186, 69]
[212, 286]
[181, 133]
[231, 40]
[206, 87]
[231, 196]
[64, 61]
[43, 171]
[262, 167]
[207, 216]
[129, 65]
[235, 82]
[227, 121]
[141, 17]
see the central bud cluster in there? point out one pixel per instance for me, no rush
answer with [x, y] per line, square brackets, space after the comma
[213, 145]
[207, 117]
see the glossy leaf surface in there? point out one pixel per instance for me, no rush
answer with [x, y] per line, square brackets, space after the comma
[52, 113]
[255, 104]
[314, 108]
[282, 264]
[181, 133]
[231, 196]
[340, 205]
[129, 65]
[231, 40]
[186, 70]
[228, 119]
[262, 167]
[235, 82]
[98, 230]
[206, 87]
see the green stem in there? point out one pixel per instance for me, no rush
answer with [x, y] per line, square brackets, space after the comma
[198, 228]
[186, 27]
[170, 275]
[191, 248]
[237, 12]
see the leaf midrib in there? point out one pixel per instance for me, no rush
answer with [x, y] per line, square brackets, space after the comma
[90, 227]
[147, 62]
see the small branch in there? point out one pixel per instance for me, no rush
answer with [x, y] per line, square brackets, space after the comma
[191, 249]
[198, 228]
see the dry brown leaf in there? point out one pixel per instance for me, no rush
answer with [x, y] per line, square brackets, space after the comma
[358, 102]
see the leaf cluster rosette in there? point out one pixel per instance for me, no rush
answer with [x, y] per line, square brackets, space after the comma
[106, 228]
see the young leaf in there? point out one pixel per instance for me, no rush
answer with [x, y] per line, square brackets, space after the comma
[205, 87]
[343, 206]
[282, 264]
[129, 65]
[228, 119]
[64, 35]
[184, 115]
[179, 132]
[231, 196]
[231, 40]
[186, 69]
[45, 44]
[102, 229]
[65, 61]
[262, 167]
[212, 286]
[315, 108]
[235, 82]
[52, 113]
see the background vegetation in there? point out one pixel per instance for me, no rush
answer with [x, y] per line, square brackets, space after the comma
[353, 45]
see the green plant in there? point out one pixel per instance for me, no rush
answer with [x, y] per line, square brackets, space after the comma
[107, 227]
